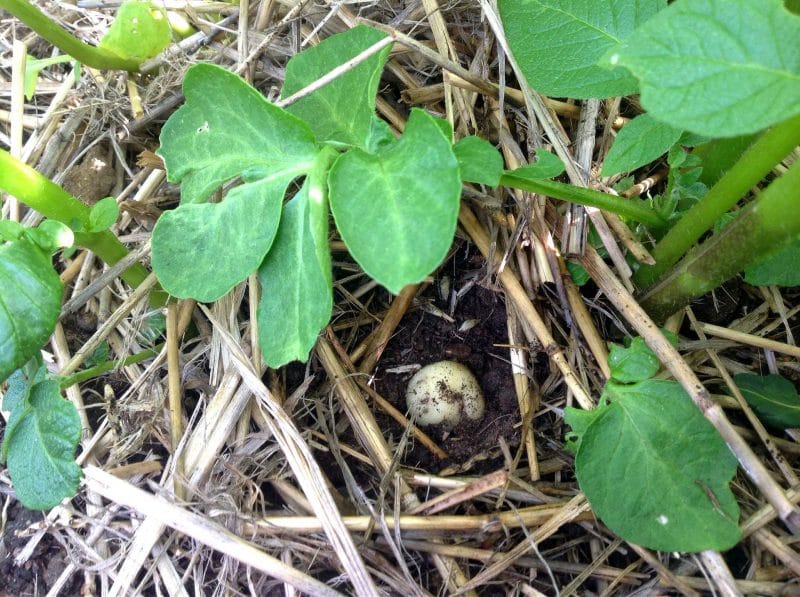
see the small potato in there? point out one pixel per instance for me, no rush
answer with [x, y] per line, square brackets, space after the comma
[444, 393]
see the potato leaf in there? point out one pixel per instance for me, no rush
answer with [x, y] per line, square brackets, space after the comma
[296, 298]
[656, 472]
[139, 31]
[632, 363]
[641, 141]
[396, 211]
[42, 435]
[719, 68]
[103, 214]
[558, 43]
[579, 421]
[30, 302]
[479, 161]
[779, 269]
[547, 165]
[343, 111]
[772, 397]
[51, 235]
[225, 129]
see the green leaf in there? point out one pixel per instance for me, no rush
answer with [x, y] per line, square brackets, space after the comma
[140, 31]
[558, 43]
[51, 235]
[656, 472]
[343, 110]
[45, 430]
[719, 68]
[30, 302]
[579, 420]
[380, 136]
[99, 355]
[34, 66]
[637, 361]
[641, 141]
[779, 269]
[547, 165]
[11, 230]
[15, 399]
[578, 274]
[103, 214]
[718, 155]
[202, 251]
[296, 298]
[444, 126]
[634, 363]
[772, 397]
[478, 161]
[225, 129]
[396, 211]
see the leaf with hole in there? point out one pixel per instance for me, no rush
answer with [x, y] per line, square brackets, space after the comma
[201, 250]
[656, 471]
[579, 421]
[558, 43]
[719, 68]
[139, 31]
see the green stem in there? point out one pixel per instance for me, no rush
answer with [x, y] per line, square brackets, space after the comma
[634, 209]
[755, 163]
[50, 30]
[97, 370]
[765, 226]
[50, 200]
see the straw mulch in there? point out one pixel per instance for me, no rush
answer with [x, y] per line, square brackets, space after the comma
[207, 475]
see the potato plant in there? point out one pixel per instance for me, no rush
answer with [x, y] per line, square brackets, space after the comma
[705, 69]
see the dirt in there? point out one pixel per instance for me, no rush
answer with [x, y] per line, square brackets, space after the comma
[41, 571]
[94, 177]
[475, 334]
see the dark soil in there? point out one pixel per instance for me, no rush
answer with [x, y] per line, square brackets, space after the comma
[42, 570]
[477, 337]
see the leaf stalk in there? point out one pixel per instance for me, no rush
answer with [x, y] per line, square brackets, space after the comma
[765, 226]
[755, 163]
[50, 200]
[636, 210]
[91, 56]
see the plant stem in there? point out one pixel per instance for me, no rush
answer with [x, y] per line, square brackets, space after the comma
[50, 30]
[763, 227]
[107, 366]
[634, 209]
[755, 163]
[50, 200]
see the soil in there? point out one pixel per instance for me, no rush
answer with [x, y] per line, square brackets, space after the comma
[459, 315]
[94, 177]
[41, 571]
[473, 333]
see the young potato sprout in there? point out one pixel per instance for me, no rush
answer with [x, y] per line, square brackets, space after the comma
[443, 393]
